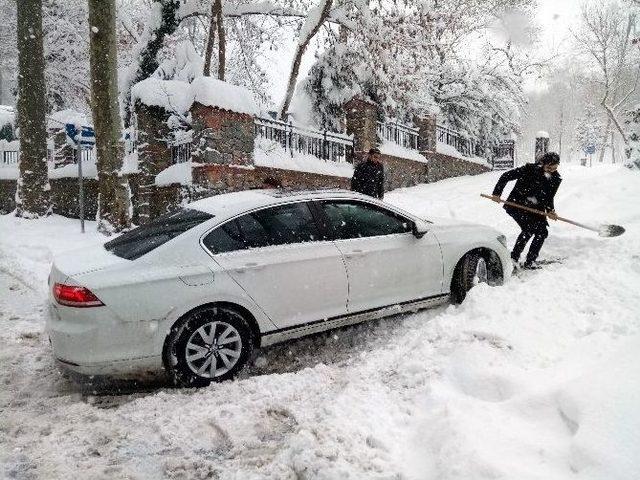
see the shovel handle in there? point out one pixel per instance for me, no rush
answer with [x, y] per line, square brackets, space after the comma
[539, 212]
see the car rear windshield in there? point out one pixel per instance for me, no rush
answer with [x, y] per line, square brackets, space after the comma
[142, 240]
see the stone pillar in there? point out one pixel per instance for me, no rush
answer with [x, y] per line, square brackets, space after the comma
[154, 154]
[361, 119]
[63, 153]
[221, 136]
[426, 133]
[542, 144]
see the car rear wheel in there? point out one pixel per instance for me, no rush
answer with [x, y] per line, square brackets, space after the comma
[472, 270]
[212, 343]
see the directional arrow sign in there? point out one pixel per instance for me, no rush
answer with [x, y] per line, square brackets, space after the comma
[590, 149]
[83, 138]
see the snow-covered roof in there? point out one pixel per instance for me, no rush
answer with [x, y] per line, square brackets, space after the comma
[178, 96]
[216, 93]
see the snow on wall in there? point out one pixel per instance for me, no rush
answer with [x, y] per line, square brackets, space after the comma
[393, 149]
[268, 153]
[542, 134]
[178, 173]
[178, 96]
[216, 93]
[446, 149]
[172, 95]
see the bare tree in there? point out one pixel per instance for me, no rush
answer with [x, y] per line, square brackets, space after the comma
[114, 193]
[216, 24]
[316, 17]
[606, 36]
[32, 198]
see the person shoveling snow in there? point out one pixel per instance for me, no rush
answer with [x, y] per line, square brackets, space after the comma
[531, 201]
[536, 186]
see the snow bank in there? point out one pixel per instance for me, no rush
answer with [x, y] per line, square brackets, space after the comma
[178, 173]
[216, 93]
[393, 149]
[450, 150]
[537, 379]
[268, 153]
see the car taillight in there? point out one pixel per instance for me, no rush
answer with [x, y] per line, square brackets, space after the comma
[73, 296]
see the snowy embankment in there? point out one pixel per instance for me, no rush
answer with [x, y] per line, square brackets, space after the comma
[539, 378]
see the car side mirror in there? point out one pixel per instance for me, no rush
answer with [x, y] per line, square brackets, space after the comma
[420, 228]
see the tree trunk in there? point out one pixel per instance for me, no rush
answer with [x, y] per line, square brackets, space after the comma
[222, 41]
[311, 26]
[605, 137]
[32, 197]
[113, 200]
[206, 71]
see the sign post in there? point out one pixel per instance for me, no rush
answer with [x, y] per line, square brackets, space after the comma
[83, 139]
[590, 149]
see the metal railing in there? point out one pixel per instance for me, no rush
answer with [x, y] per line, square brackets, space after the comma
[10, 157]
[398, 133]
[323, 144]
[464, 145]
[181, 152]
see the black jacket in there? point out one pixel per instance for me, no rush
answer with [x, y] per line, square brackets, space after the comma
[532, 189]
[368, 178]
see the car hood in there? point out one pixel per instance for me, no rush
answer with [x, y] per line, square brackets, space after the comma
[443, 224]
[85, 260]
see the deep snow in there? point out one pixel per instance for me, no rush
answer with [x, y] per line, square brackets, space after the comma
[539, 378]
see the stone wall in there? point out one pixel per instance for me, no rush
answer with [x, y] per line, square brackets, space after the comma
[221, 136]
[215, 179]
[443, 166]
[7, 196]
[402, 172]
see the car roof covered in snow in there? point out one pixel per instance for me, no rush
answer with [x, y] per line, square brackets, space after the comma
[230, 204]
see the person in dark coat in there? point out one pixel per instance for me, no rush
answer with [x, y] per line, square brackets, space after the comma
[368, 176]
[536, 185]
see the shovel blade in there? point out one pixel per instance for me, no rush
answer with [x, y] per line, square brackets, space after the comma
[610, 230]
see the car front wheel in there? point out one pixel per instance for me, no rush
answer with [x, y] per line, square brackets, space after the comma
[211, 343]
[474, 268]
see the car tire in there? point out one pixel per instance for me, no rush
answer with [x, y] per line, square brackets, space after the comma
[209, 344]
[472, 269]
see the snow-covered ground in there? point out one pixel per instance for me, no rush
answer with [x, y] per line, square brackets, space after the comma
[537, 379]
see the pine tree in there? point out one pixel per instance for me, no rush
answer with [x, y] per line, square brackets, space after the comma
[114, 193]
[32, 197]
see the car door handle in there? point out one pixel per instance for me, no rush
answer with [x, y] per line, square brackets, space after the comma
[249, 266]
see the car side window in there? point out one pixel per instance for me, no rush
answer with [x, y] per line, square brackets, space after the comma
[288, 224]
[280, 225]
[349, 219]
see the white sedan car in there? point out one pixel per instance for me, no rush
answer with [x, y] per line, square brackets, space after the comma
[195, 291]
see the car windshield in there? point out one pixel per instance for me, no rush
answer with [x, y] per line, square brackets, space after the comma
[147, 237]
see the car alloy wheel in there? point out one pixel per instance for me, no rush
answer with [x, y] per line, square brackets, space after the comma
[210, 343]
[213, 349]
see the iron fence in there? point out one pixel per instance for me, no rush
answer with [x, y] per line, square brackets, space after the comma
[464, 145]
[323, 144]
[9, 157]
[181, 152]
[398, 133]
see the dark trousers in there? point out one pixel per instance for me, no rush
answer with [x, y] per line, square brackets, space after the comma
[534, 226]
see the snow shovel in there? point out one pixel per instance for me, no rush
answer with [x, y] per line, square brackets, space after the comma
[603, 230]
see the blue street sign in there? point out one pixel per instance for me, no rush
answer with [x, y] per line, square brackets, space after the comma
[85, 138]
[590, 149]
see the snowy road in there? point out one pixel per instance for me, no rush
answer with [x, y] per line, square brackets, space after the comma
[539, 378]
